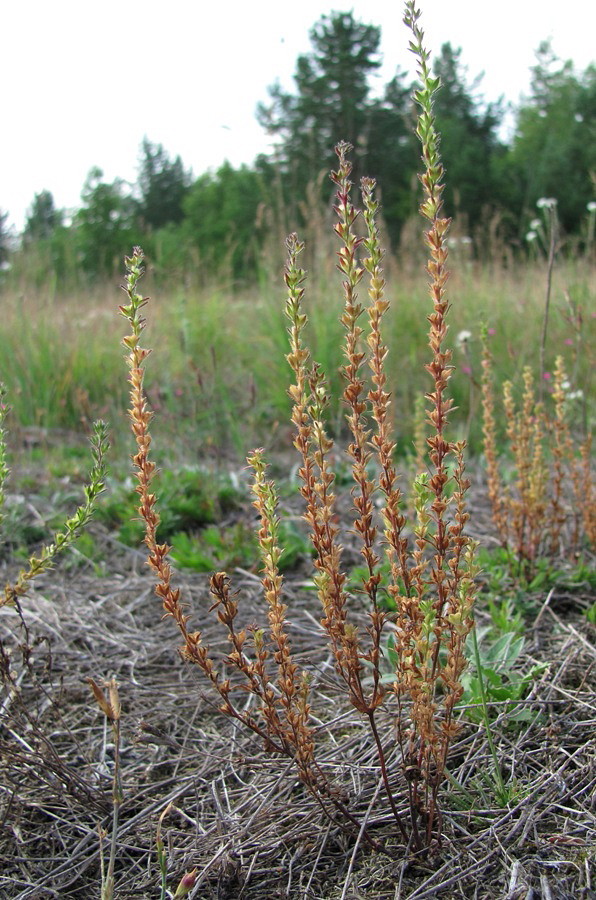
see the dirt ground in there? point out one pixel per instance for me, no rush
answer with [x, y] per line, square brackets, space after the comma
[239, 814]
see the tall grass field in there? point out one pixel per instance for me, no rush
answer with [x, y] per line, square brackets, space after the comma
[222, 372]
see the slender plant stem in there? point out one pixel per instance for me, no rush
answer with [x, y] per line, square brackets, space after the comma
[116, 801]
[385, 775]
[342, 808]
[501, 786]
[552, 248]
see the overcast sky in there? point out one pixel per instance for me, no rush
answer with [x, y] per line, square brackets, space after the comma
[84, 82]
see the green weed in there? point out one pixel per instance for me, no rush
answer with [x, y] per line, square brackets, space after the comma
[492, 678]
[190, 500]
[505, 616]
[69, 529]
[215, 548]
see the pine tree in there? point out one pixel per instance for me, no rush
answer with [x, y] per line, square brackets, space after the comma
[331, 102]
[42, 218]
[163, 185]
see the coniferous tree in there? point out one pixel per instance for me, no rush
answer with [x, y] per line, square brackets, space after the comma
[220, 214]
[54, 243]
[331, 102]
[163, 185]
[42, 218]
[393, 153]
[104, 224]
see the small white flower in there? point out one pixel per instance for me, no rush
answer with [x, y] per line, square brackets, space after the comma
[591, 207]
[546, 203]
[565, 385]
[535, 223]
[463, 338]
[531, 236]
[466, 239]
[578, 117]
[575, 395]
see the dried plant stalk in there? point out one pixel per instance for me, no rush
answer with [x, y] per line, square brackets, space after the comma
[435, 614]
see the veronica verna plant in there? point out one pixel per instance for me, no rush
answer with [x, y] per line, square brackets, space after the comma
[548, 511]
[74, 525]
[430, 580]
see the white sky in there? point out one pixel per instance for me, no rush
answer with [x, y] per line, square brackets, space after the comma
[83, 82]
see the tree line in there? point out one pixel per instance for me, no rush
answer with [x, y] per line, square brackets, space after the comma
[218, 218]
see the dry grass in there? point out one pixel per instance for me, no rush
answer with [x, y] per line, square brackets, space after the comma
[252, 831]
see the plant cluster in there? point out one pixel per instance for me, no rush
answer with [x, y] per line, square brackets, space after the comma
[431, 581]
[399, 627]
[550, 509]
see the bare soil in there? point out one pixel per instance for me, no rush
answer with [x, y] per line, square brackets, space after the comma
[239, 814]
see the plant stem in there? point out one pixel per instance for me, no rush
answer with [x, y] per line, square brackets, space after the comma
[116, 800]
[500, 784]
[388, 791]
[552, 213]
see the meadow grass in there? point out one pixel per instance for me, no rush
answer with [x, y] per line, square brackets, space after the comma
[222, 369]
